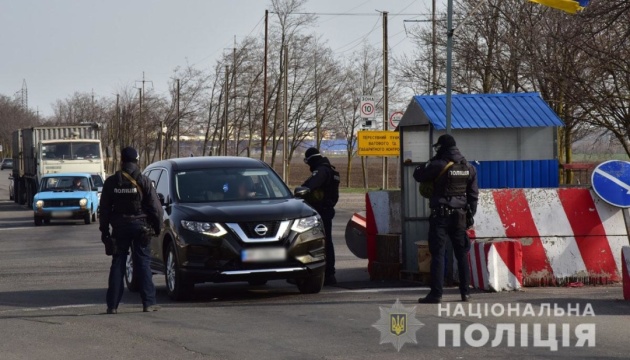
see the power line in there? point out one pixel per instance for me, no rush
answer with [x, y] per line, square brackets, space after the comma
[348, 14]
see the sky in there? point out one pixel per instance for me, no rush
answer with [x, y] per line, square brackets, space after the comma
[65, 46]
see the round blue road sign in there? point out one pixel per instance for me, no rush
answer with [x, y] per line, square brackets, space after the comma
[611, 182]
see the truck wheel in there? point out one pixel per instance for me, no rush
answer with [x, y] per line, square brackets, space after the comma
[37, 220]
[177, 286]
[21, 193]
[87, 219]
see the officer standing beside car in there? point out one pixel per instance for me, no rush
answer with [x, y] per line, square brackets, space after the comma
[130, 205]
[323, 196]
[455, 192]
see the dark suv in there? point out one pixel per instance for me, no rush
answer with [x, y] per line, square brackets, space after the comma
[231, 219]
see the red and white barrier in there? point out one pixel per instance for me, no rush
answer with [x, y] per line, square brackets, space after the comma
[566, 234]
[496, 265]
[625, 256]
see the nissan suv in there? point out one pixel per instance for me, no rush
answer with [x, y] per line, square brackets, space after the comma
[231, 219]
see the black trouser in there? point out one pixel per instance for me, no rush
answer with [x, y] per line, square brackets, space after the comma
[128, 236]
[327, 215]
[444, 225]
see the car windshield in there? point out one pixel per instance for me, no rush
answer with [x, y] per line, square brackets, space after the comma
[229, 184]
[97, 180]
[65, 183]
[71, 150]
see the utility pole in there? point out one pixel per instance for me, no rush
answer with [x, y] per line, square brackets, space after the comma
[285, 144]
[234, 86]
[160, 139]
[318, 125]
[434, 49]
[385, 96]
[225, 118]
[449, 64]
[140, 117]
[263, 140]
[177, 115]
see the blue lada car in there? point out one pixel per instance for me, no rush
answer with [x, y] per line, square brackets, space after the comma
[66, 196]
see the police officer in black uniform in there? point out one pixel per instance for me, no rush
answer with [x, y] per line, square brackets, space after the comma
[455, 193]
[324, 194]
[130, 205]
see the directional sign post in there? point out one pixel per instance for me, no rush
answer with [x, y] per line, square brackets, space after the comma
[611, 182]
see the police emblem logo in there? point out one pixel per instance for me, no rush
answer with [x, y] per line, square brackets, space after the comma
[398, 325]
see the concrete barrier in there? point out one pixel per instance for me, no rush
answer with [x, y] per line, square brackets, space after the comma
[382, 216]
[496, 265]
[566, 235]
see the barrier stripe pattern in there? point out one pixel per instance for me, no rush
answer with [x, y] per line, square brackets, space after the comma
[496, 265]
[566, 234]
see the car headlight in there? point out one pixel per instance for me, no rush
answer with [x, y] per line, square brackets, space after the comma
[206, 228]
[39, 204]
[83, 202]
[307, 223]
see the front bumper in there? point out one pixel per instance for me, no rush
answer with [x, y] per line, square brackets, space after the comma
[62, 213]
[206, 259]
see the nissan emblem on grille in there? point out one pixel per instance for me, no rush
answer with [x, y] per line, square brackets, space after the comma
[261, 229]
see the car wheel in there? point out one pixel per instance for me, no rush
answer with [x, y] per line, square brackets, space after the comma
[38, 220]
[310, 285]
[257, 282]
[177, 286]
[87, 219]
[130, 279]
[94, 217]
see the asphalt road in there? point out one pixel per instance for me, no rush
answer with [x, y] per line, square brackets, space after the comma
[53, 282]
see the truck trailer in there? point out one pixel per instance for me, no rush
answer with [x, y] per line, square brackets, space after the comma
[44, 150]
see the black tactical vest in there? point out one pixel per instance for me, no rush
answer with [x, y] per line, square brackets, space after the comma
[127, 198]
[456, 180]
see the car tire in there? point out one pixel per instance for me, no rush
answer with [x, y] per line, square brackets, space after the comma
[37, 220]
[130, 280]
[94, 217]
[310, 285]
[257, 282]
[87, 219]
[177, 286]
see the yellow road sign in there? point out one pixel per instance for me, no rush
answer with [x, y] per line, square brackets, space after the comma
[378, 143]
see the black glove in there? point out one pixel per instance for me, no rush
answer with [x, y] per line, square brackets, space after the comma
[470, 217]
[145, 236]
[108, 242]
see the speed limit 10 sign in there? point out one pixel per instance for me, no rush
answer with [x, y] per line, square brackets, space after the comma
[367, 108]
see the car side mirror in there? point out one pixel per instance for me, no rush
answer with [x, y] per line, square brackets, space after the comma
[99, 189]
[301, 192]
[162, 199]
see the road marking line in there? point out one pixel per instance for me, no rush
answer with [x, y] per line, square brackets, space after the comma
[382, 290]
[15, 228]
[50, 308]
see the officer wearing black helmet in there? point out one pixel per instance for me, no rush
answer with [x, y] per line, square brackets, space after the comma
[324, 194]
[130, 205]
[455, 191]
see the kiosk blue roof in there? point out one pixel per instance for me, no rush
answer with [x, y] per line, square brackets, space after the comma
[481, 111]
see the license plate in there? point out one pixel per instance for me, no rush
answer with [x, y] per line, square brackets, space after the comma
[264, 254]
[61, 214]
